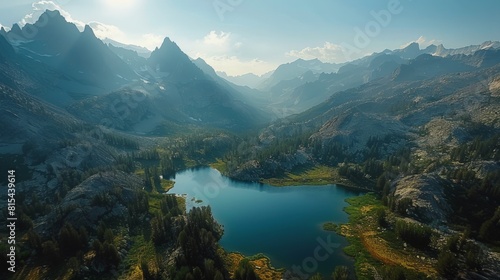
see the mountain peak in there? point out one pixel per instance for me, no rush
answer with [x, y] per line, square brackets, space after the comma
[412, 47]
[88, 31]
[169, 58]
[54, 13]
[431, 49]
[167, 42]
[201, 60]
[6, 49]
[51, 18]
[54, 34]
[169, 45]
[3, 32]
[16, 29]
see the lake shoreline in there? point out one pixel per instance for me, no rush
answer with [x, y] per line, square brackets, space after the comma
[319, 175]
[261, 263]
[283, 222]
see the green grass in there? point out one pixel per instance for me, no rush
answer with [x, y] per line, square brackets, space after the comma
[141, 250]
[154, 202]
[317, 175]
[367, 240]
[219, 165]
[167, 185]
[357, 217]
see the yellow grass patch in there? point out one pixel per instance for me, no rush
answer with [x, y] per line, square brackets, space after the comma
[167, 185]
[382, 251]
[262, 266]
[364, 227]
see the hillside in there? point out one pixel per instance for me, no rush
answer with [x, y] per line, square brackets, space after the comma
[113, 155]
[427, 145]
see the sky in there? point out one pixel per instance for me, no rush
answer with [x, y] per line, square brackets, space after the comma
[242, 36]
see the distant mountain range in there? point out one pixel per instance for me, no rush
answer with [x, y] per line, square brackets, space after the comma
[413, 50]
[249, 79]
[295, 69]
[141, 51]
[302, 84]
[424, 103]
[72, 69]
[94, 128]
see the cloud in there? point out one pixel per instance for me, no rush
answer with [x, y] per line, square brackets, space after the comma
[120, 5]
[218, 42]
[234, 65]
[40, 7]
[5, 27]
[150, 41]
[103, 31]
[217, 39]
[423, 42]
[225, 52]
[329, 52]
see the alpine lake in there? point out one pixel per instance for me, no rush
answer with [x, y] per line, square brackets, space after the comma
[283, 223]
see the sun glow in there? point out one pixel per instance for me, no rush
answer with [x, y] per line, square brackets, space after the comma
[120, 4]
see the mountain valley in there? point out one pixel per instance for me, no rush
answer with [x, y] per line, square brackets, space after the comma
[97, 131]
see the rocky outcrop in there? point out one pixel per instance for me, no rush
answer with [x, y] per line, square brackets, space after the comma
[494, 86]
[101, 197]
[354, 128]
[428, 201]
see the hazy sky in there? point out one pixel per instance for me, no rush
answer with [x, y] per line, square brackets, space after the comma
[240, 36]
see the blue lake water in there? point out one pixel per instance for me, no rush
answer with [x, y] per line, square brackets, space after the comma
[284, 223]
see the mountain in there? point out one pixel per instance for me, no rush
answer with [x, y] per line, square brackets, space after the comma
[294, 95]
[26, 118]
[295, 69]
[409, 52]
[76, 64]
[392, 104]
[77, 71]
[6, 49]
[174, 64]
[91, 61]
[51, 36]
[430, 114]
[93, 131]
[141, 51]
[427, 66]
[256, 98]
[173, 93]
[442, 51]
[250, 80]
[3, 32]
[299, 94]
[132, 58]
[413, 50]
